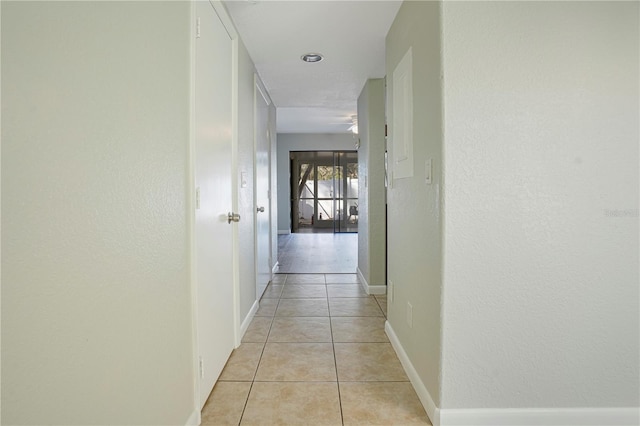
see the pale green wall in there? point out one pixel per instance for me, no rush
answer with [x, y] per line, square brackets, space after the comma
[414, 209]
[371, 189]
[273, 184]
[96, 301]
[536, 228]
[541, 250]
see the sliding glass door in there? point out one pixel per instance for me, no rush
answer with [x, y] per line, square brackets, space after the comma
[324, 189]
[346, 191]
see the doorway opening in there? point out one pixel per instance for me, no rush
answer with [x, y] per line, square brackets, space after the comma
[324, 191]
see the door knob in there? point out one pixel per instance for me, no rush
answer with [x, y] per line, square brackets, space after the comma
[260, 209]
[233, 217]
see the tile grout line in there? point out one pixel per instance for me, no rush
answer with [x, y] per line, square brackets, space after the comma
[255, 373]
[335, 359]
[380, 306]
[246, 401]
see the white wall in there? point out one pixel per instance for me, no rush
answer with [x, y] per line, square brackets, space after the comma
[541, 242]
[287, 142]
[414, 209]
[371, 189]
[96, 305]
[246, 226]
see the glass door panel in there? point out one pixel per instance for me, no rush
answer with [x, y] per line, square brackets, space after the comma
[325, 173]
[324, 186]
[346, 184]
[351, 180]
[305, 191]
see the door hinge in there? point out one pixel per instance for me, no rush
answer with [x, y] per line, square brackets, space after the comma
[201, 367]
[197, 27]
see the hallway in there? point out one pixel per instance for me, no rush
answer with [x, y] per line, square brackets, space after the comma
[315, 353]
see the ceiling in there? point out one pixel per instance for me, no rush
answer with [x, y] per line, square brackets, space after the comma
[315, 97]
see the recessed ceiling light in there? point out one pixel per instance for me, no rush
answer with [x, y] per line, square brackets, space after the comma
[312, 57]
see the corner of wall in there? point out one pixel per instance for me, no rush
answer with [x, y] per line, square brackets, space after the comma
[246, 321]
[414, 214]
[421, 390]
[194, 419]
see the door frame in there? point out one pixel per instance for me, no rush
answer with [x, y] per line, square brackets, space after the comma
[222, 13]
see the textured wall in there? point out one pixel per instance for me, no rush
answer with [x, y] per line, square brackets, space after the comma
[541, 247]
[96, 305]
[414, 216]
[302, 142]
[363, 175]
[371, 189]
[246, 150]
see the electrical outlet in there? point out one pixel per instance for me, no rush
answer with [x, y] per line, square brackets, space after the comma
[390, 291]
[409, 315]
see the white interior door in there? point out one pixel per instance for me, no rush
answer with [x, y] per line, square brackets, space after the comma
[213, 234]
[263, 230]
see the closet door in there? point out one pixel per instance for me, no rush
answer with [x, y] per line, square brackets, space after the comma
[213, 231]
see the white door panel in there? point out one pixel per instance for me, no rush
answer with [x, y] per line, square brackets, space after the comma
[263, 229]
[213, 235]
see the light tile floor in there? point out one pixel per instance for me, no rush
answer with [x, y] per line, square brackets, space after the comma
[315, 354]
[317, 253]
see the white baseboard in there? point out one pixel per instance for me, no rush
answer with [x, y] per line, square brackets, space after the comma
[541, 416]
[377, 289]
[510, 416]
[370, 289]
[247, 320]
[194, 419]
[423, 394]
[284, 231]
[363, 281]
